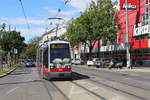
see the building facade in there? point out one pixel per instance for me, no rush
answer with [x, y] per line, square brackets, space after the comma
[139, 33]
[139, 28]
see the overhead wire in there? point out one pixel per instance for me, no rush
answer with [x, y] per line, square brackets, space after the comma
[59, 10]
[26, 19]
[62, 7]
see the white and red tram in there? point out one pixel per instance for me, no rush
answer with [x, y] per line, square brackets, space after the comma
[54, 59]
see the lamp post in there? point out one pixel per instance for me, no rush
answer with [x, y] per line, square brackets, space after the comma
[127, 38]
[57, 25]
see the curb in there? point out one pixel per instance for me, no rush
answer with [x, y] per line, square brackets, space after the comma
[119, 70]
[3, 75]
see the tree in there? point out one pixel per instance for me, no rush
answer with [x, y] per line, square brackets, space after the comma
[96, 23]
[12, 40]
[31, 48]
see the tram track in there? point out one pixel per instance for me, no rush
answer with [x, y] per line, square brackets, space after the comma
[93, 93]
[51, 86]
[81, 76]
[124, 83]
[111, 87]
[48, 84]
[47, 89]
[112, 80]
[78, 85]
[63, 94]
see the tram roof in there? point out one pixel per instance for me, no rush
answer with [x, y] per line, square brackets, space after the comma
[42, 45]
[57, 41]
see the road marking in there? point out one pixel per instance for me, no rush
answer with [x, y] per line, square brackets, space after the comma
[12, 90]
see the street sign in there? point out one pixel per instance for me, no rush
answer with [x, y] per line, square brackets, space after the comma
[15, 51]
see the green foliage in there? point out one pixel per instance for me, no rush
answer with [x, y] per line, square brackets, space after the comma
[31, 48]
[96, 23]
[10, 40]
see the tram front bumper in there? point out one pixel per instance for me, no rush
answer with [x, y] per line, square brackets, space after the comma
[60, 75]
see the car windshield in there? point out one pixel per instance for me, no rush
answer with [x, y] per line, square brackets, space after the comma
[97, 59]
[77, 59]
[29, 60]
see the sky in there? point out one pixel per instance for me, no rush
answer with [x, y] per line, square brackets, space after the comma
[38, 12]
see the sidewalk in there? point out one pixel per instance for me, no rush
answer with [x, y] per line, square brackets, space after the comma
[7, 70]
[124, 69]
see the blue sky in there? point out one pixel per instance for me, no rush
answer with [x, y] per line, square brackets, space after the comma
[37, 12]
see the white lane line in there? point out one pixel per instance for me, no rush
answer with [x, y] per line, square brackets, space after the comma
[12, 90]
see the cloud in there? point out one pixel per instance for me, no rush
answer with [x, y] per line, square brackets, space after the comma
[33, 32]
[21, 20]
[62, 13]
[80, 5]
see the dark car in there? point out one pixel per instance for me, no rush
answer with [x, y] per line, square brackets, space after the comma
[116, 63]
[102, 62]
[29, 63]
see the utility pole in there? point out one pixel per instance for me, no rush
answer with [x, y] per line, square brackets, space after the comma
[57, 26]
[9, 28]
[127, 38]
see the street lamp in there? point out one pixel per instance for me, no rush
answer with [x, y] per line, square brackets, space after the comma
[57, 25]
[66, 1]
[127, 38]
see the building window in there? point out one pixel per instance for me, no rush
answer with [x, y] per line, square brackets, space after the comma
[146, 16]
[147, 1]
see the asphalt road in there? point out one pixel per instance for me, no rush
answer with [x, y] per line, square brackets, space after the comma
[87, 84]
[23, 84]
[131, 84]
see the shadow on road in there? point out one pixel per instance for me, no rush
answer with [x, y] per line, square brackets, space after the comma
[11, 83]
[75, 76]
[20, 73]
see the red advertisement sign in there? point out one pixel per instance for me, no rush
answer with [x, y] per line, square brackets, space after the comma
[132, 4]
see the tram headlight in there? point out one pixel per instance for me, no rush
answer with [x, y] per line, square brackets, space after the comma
[52, 66]
[67, 66]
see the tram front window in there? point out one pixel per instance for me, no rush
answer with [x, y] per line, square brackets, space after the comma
[59, 51]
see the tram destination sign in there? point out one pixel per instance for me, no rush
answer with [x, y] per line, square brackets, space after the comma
[59, 46]
[141, 30]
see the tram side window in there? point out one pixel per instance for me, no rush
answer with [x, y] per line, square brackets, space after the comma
[40, 56]
[45, 57]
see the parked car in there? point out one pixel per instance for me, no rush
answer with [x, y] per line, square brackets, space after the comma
[97, 62]
[116, 63]
[106, 62]
[90, 62]
[101, 62]
[77, 61]
[94, 62]
[29, 63]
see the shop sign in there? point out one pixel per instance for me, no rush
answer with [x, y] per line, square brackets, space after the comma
[131, 5]
[141, 30]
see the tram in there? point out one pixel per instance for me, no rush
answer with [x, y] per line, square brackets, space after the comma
[54, 59]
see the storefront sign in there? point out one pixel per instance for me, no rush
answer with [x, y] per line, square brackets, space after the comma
[141, 30]
[131, 5]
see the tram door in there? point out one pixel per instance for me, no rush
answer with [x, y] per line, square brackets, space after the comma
[45, 62]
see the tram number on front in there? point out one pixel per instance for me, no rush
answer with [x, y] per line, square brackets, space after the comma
[60, 70]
